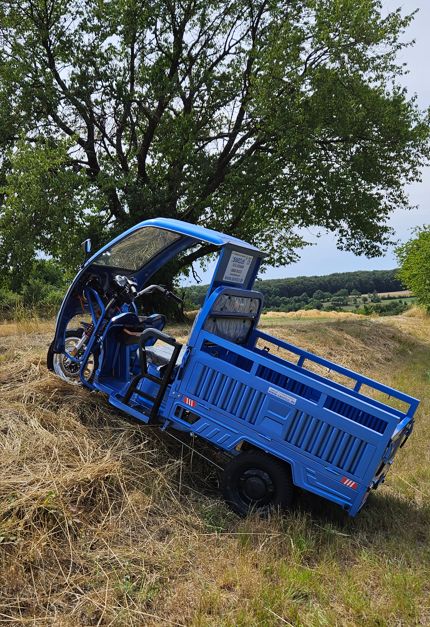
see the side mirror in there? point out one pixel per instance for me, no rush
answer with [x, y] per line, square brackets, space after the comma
[86, 247]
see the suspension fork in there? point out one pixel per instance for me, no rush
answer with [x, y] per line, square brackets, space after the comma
[96, 324]
[85, 337]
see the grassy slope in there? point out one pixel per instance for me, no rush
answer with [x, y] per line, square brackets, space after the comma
[103, 522]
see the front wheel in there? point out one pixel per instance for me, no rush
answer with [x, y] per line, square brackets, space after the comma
[255, 482]
[67, 369]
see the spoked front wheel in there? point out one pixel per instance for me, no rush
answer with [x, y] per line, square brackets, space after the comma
[68, 369]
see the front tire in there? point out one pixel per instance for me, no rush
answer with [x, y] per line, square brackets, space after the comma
[255, 482]
[64, 367]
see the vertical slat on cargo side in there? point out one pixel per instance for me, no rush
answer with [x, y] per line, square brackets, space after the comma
[304, 430]
[319, 444]
[347, 463]
[295, 435]
[345, 444]
[311, 433]
[206, 384]
[331, 451]
[292, 425]
[357, 457]
[224, 383]
[254, 406]
[329, 443]
[216, 386]
[226, 393]
[242, 410]
[235, 397]
[249, 407]
[200, 380]
[319, 434]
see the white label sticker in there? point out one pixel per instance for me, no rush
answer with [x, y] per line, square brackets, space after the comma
[237, 268]
[285, 397]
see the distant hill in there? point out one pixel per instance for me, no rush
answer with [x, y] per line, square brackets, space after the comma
[312, 287]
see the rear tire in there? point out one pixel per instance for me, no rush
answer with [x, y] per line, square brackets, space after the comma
[255, 482]
[64, 368]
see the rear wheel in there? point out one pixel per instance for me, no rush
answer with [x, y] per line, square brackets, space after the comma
[255, 482]
[67, 369]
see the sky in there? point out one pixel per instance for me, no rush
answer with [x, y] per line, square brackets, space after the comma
[324, 257]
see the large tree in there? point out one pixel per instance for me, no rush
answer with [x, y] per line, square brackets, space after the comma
[257, 117]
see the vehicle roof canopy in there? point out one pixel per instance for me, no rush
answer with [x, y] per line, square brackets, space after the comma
[189, 235]
[195, 232]
[200, 233]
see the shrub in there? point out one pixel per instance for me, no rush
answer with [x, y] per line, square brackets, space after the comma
[10, 302]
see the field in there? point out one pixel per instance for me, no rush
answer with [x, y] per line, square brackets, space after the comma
[104, 522]
[399, 294]
[384, 298]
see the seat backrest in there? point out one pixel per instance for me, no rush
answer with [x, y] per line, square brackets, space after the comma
[233, 315]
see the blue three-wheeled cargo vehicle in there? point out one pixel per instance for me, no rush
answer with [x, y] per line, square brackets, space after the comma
[264, 402]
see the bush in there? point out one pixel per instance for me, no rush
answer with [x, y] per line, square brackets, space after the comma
[384, 309]
[10, 302]
[52, 301]
[414, 257]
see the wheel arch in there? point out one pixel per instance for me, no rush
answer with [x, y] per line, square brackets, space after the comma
[246, 445]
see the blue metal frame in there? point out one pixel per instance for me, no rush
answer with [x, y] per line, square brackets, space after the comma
[338, 441]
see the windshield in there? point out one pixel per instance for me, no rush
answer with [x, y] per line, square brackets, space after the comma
[137, 249]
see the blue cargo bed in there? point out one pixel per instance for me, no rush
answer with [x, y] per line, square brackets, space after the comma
[338, 440]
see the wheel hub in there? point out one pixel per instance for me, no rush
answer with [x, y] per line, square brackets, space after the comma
[256, 486]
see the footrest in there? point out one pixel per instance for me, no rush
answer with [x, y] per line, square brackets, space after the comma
[133, 410]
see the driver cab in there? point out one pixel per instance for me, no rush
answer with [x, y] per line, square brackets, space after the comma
[135, 361]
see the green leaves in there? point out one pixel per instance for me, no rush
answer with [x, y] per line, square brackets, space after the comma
[47, 207]
[257, 118]
[414, 258]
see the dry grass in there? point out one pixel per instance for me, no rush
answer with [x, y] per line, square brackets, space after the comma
[29, 326]
[104, 522]
[310, 314]
[399, 293]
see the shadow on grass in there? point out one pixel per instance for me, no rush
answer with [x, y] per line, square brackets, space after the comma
[386, 522]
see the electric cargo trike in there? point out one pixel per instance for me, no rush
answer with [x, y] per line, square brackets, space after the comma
[269, 406]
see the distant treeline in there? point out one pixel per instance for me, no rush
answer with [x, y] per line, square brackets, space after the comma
[365, 282]
[313, 287]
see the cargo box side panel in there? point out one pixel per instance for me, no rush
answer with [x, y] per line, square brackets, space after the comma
[330, 454]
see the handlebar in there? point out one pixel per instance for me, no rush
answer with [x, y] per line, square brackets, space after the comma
[125, 290]
[157, 288]
[149, 290]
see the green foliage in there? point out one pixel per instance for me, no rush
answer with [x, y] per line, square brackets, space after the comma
[414, 258]
[253, 117]
[392, 308]
[323, 292]
[47, 208]
[42, 291]
[10, 302]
